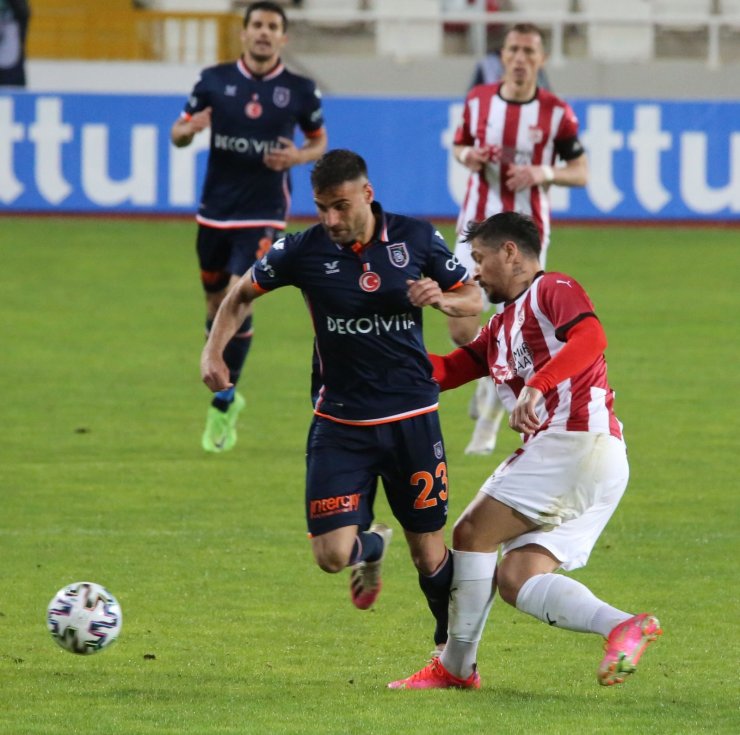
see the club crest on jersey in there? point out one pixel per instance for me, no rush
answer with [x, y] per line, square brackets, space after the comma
[369, 281]
[398, 254]
[281, 96]
[438, 450]
[536, 135]
[253, 108]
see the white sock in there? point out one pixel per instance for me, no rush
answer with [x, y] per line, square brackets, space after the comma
[559, 600]
[471, 597]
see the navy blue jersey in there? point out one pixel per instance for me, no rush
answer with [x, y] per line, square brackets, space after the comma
[249, 113]
[373, 363]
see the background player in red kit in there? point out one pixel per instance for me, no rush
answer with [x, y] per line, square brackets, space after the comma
[510, 135]
[252, 106]
[547, 504]
[366, 275]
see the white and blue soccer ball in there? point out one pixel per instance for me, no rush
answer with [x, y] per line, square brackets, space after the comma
[84, 618]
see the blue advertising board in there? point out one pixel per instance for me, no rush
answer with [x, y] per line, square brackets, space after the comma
[664, 160]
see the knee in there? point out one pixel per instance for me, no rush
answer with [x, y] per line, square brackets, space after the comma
[331, 564]
[508, 583]
[428, 561]
[463, 534]
[330, 560]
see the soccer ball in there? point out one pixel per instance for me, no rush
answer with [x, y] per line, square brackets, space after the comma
[84, 618]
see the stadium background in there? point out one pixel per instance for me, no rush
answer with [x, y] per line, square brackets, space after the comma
[658, 104]
[228, 626]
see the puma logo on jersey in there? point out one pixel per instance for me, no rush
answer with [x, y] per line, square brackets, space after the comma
[566, 283]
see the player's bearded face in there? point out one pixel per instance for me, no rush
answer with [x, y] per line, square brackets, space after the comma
[263, 37]
[344, 212]
[490, 271]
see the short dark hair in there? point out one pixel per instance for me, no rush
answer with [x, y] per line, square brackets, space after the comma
[499, 228]
[525, 28]
[336, 167]
[269, 7]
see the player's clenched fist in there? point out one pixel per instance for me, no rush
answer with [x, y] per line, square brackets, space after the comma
[524, 416]
[424, 292]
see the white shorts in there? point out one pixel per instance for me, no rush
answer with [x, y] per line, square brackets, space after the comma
[570, 484]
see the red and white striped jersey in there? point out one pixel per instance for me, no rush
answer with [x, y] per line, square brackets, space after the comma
[514, 133]
[526, 335]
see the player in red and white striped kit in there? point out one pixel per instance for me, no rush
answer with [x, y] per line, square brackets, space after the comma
[546, 505]
[510, 136]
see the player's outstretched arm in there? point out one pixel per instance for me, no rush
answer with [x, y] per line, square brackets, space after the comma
[231, 314]
[459, 367]
[465, 300]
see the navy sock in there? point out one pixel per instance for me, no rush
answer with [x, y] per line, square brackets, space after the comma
[368, 547]
[235, 355]
[437, 591]
[223, 399]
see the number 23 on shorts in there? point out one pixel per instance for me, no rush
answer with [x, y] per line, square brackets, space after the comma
[426, 483]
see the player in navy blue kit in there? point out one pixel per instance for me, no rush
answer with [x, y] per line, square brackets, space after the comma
[252, 106]
[366, 275]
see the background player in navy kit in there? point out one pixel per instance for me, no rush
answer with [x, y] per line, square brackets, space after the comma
[366, 274]
[253, 106]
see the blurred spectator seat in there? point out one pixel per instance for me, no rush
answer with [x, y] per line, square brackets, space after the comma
[682, 9]
[61, 29]
[411, 29]
[478, 34]
[538, 7]
[191, 6]
[731, 8]
[612, 40]
[347, 8]
[461, 6]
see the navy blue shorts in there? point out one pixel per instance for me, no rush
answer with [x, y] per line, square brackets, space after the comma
[344, 463]
[230, 251]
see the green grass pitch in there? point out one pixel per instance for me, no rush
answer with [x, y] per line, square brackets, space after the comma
[228, 625]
